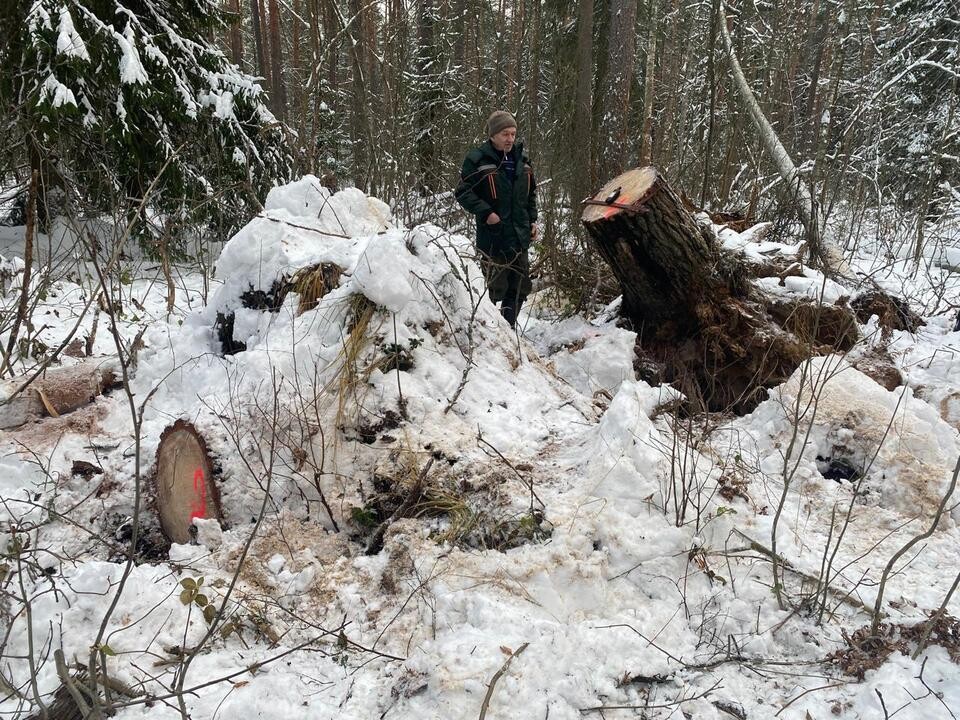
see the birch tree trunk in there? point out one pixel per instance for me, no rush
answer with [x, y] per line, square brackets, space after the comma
[781, 158]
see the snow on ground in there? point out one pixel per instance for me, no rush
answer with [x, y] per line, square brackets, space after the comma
[577, 545]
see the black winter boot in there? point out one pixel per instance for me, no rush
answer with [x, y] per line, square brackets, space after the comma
[509, 314]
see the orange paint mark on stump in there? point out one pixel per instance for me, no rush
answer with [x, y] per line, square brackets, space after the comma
[199, 507]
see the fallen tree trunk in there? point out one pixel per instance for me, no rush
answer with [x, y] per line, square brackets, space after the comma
[781, 158]
[698, 318]
[57, 392]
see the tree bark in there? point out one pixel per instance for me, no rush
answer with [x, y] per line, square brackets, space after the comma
[532, 98]
[513, 64]
[258, 37]
[646, 142]
[295, 56]
[583, 110]
[655, 248]
[279, 94]
[621, 52]
[428, 97]
[58, 392]
[712, 88]
[29, 231]
[359, 115]
[236, 36]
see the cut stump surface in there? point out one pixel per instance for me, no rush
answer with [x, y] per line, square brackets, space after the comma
[185, 489]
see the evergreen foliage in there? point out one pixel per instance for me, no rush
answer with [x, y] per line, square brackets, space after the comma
[110, 96]
[922, 38]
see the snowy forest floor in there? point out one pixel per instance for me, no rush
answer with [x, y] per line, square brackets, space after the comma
[575, 547]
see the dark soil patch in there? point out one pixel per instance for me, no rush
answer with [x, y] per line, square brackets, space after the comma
[893, 312]
[311, 283]
[878, 365]
[865, 651]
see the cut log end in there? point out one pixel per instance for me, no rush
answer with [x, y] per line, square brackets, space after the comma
[629, 189]
[184, 484]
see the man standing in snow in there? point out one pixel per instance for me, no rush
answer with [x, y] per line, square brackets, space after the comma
[497, 186]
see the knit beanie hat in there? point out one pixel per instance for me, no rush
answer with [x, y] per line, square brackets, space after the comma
[500, 120]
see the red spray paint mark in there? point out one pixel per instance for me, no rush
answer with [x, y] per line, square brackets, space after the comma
[199, 507]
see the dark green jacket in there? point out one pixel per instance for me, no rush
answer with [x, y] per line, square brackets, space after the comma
[486, 188]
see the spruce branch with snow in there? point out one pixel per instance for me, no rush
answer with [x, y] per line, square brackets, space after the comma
[106, 94]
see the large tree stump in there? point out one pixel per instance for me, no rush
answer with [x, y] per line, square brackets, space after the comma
[656, 249]
[184, 484]
[696, 314]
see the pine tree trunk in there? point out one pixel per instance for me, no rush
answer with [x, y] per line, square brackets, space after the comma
[258, 38]
[712, 89]
[669, 71]
[360, 107]
[532, 96]
[654, 247]
[279, 94]
[499, 75]
[236, 36]
[621, 52]
[513, 64]
[295, 60]
[646, 145]
[331, 32]
[428, 98]
[583, 110]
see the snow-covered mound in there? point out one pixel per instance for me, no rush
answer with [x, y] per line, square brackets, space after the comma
[853, 420]
[405, 354]
[562, 538]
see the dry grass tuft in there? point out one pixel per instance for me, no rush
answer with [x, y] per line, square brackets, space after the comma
[312, 283]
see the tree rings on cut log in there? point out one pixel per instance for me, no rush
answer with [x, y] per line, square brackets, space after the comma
[185, 489]
[627, 190]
